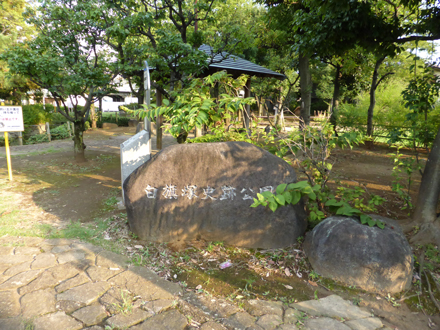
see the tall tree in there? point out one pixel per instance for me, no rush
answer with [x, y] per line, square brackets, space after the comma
[13, 30]
[67, 58]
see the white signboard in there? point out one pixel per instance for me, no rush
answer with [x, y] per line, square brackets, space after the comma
[134, 152]
[11, 119]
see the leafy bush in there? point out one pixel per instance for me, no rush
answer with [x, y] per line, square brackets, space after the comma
[58, 118]
[390, 117]
[59, 132]
[131, 106]
[35, 114]
[113, 118]
[37, 138]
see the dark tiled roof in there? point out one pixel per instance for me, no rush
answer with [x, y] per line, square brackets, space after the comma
[237, 65]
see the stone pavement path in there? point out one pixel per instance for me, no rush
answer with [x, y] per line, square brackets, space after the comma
[59, 284]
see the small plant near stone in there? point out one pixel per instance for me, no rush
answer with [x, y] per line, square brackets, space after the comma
[403, 170]
[125, 307]
[392, 300]
[313, 275]
[311, 149]
[357, 301]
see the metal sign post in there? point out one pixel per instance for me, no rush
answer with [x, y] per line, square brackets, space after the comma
[11, 120]
[147, 95]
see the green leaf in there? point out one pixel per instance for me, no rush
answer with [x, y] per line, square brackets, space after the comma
[280, 199]
[296, 197]
[371, 222]
[287, 197]
[273, 206]
[334, 202]
[380, 224]
[266, 194]
[280, 189]
[298, 185]
[364, 218]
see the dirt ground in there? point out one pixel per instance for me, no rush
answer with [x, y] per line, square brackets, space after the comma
[56, 190]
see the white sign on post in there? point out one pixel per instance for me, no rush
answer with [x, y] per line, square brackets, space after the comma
[11, 119]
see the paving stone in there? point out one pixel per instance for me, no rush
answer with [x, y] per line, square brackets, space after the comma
[127, 320]
[6, 250]
[111, 299]
[4, 278]
[57, 241]
[371, 323]
[19, 280]
[68, 306]
[270, 321]
[38, 303]
[324, 323]
[291, 316]
[14, 259]
[261, 307]
[109, 259]
[332, 306]
[216, 307]
[86, 293]
[145, 283]
[171, 320]
[79, 279]
[240, 320]
[9, 304]
[98, 273]
[31, 241]
[51, 277]
[212, 326]
[72, 255]
[15, 323]
[91, 315]
[286, 327]
[3, 267]
[27, 250]
[20, 268]
[58, 320]
[60, 249]
[156, 306]
[86, 247]
[44, 260]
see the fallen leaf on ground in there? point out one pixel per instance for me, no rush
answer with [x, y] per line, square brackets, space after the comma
[313, 283]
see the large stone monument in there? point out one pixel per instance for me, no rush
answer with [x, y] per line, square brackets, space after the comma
[205, 191]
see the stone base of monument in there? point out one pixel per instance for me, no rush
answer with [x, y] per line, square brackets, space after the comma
[373, 259]
[205, 190]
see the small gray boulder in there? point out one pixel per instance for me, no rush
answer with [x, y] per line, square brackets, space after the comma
[373, 259]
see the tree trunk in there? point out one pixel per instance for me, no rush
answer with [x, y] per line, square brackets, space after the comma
[429, 192]
[306, 88]
[335, 101]
[373, 96]
[425, 214]
[78, 141]
[93, 115]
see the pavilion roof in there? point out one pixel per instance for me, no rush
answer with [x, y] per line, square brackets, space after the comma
[236, 65]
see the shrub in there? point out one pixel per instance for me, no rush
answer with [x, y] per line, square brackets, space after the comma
[59, 132]
[37, 138]
[34, 114]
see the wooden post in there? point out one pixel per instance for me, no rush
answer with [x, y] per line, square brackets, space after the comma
[247, 110]
[48, 132]
[159, 121]
[8, 156]
[68, 129]
[20, 138]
